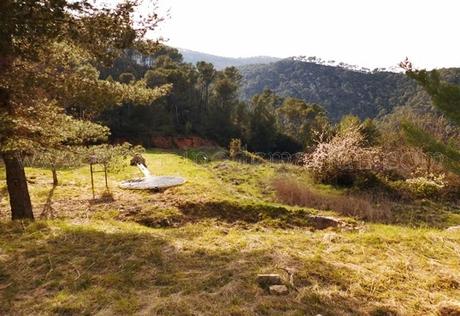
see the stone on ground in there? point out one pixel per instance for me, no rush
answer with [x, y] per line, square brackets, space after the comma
[278, 290]
[266, 280]
[453, 228]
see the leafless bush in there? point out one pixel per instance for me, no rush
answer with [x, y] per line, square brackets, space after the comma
[366, 207]
[344, 158]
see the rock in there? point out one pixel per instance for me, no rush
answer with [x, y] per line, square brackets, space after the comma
[267, 280]
[453, 229]
[323, 222]
[278, 290]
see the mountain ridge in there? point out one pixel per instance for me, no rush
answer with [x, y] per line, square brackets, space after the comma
[220, 62]
[339, 90]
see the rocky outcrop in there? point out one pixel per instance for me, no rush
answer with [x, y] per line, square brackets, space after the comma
[163, 142]
[192, 142]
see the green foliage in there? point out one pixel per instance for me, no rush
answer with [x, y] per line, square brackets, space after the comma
[48, 81]
[302, 121]
[115, 157]
[447, 154]
[367, 128]
[126, 78]
[347, 123]
[446, 98]
[262, 127]
[201, 101]
[54, 159]
[73, 94]
[370, 131]
[426, 187]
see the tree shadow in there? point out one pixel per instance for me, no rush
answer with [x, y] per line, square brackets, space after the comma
[80, 270]
[48, 210]
[104, 198]
[233, 213]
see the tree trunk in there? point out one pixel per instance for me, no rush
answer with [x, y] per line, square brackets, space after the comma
[206, 97]
[21, 206]
[55, 178]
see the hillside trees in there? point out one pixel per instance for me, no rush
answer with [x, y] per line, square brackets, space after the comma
[181, 100]
[206, 74]
[48, 84]
[446, 98]
[223, 105]
[202, 101]
[301, 120]
[367, 128]
[205, 102]
[263, 129]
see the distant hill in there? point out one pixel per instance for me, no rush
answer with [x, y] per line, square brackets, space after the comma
[220, 62]
[340, 89]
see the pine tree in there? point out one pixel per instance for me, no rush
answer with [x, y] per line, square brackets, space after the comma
[48, 82]
[446, 98]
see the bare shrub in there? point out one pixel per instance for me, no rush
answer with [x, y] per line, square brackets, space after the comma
[344, 159]
[366, 207]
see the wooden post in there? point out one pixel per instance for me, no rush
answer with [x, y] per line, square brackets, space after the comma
[105, 173]
[92, 180]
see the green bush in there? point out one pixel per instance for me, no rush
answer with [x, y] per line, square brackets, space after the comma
[426, 187]
[423, 187]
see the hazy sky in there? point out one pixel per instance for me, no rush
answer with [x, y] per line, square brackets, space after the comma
[369, 33]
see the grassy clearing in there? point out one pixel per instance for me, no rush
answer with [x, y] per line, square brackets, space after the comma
[61, 267]
[178, 253]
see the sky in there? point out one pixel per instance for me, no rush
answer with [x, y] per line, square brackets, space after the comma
[367, 33]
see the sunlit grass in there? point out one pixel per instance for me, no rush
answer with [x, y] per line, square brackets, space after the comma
[93, 258]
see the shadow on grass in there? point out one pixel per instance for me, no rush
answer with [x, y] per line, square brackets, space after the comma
[77, 270]
[230, 212]
[48, 211]
[276, 216]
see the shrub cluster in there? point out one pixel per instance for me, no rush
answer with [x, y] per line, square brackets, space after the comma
[344, 160]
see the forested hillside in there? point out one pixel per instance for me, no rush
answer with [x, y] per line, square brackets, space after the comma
[341, 91]
[270, 107]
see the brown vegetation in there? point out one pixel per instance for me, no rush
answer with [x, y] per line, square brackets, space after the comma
[292, 192]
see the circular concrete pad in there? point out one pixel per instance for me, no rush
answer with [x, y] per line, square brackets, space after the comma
[152, 183]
